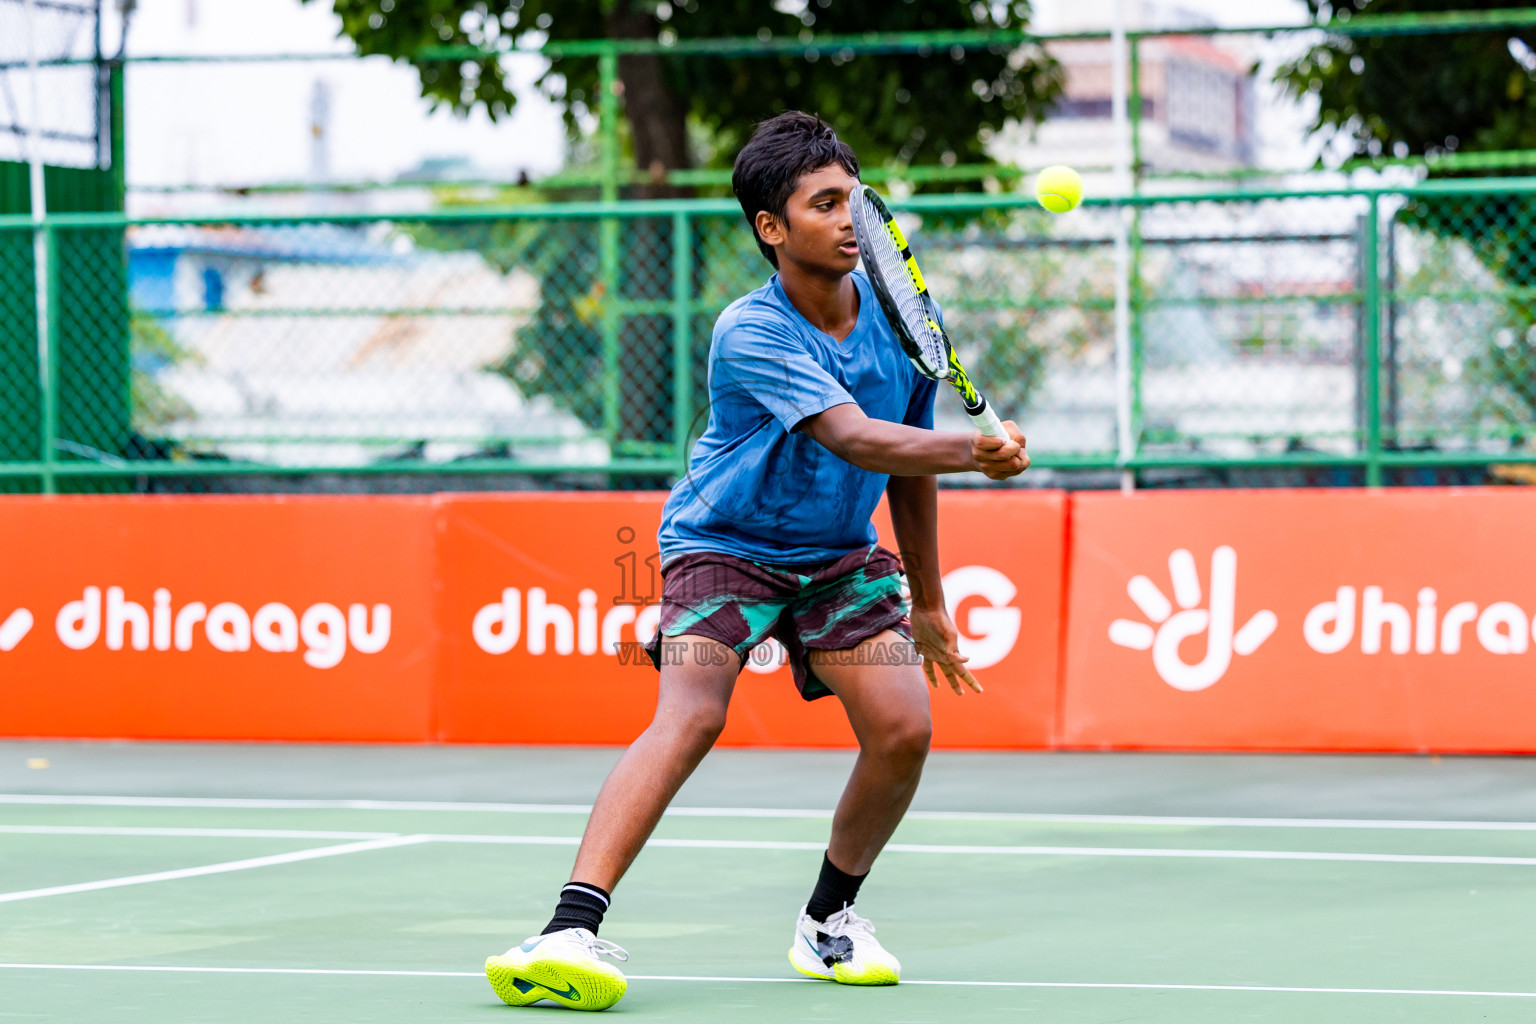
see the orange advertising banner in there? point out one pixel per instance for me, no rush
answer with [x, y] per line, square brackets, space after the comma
[1321, 620]
[216, 618]
[509, 619]
[1325, 620]
[546, 600]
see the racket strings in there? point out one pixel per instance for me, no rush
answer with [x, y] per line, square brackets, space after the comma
[892, 268]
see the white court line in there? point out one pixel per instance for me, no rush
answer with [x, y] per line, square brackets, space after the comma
[1163, 821]
[262, 803]
[1023, 851]
[378, 841]
[1155, 986]
[1113, 851]
[255, 803]
[247, 970]
[212, 869]
[187, 833]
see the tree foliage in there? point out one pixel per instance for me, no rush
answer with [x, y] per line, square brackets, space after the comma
[1420, 94]
[911, 108]
[684, 111]
[1443, 93]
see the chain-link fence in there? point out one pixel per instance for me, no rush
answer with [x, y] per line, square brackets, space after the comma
[1315, 338]
[62, 109]
[1461, 367]
[69, 126]
[1199, 101]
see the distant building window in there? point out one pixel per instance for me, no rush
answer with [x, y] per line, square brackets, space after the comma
[1204, 107]
[213, 290]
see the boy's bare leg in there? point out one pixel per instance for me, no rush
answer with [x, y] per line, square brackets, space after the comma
[887, 706]
[690, 712]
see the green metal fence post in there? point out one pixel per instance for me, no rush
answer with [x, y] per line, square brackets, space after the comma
[1137, 307]
[608, 244]
[608, 120]
[1137, 298]
[608, 237]
[1135, 111]
[116, 128]
[1371, 347]
[682, 334]
[47, 358]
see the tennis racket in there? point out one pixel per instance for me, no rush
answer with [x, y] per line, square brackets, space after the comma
[913, 316]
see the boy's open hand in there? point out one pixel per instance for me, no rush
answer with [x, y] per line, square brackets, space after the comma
[938, 642]
[997, 458]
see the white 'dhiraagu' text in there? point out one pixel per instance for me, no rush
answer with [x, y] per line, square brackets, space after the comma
[323, 630]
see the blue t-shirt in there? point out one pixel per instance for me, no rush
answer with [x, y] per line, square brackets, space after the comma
[756, 487]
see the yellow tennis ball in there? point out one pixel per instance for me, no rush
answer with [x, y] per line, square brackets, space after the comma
[1059, 188]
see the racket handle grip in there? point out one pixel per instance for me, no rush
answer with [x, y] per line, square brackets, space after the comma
[987, 422]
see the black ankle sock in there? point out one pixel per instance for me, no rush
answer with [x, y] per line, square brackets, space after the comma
[582, 905]
[835, 889]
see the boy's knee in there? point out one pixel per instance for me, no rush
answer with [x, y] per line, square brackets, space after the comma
[700, 721]
[906, 740]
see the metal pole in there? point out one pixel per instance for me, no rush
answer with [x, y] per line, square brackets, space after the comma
[117, 126]
[1125, 440]
[1372, 348]
[40, 258]
[1136, 112]
[608, 121]
[608, 238]
[1137, 297]
[103, 114]
[1389, 340]
[682, 334]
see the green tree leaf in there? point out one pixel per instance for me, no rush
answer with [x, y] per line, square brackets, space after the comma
[1471, 91]
[910, 108]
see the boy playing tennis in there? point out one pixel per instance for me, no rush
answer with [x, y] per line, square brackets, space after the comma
[815, 412]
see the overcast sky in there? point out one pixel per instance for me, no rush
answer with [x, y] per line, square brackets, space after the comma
[236, 123]
[250, 123]
[1089, 15]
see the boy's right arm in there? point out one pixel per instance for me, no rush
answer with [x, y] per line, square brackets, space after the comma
[899, 450]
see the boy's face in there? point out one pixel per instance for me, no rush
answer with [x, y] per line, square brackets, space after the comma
[818, 235]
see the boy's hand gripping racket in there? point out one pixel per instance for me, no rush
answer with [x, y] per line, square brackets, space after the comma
[892, 269]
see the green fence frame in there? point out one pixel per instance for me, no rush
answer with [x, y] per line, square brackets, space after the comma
[87, 376]
[611, 176]
[55, 468]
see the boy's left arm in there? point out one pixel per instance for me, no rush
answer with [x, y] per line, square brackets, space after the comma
[914, 503]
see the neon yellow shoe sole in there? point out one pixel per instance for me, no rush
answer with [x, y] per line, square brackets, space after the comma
[523, 979]
[846, 974]
[869, 974]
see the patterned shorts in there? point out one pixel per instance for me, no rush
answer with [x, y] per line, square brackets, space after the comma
[741, 603]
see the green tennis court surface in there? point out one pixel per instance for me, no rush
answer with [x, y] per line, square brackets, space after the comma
[182, 882]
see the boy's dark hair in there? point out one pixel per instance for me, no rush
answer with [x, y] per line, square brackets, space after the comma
[782, 150]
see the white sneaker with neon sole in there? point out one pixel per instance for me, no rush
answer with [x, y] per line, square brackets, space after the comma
[843, 948]
[563, 967]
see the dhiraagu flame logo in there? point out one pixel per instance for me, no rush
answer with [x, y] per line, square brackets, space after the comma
[1166, 629]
